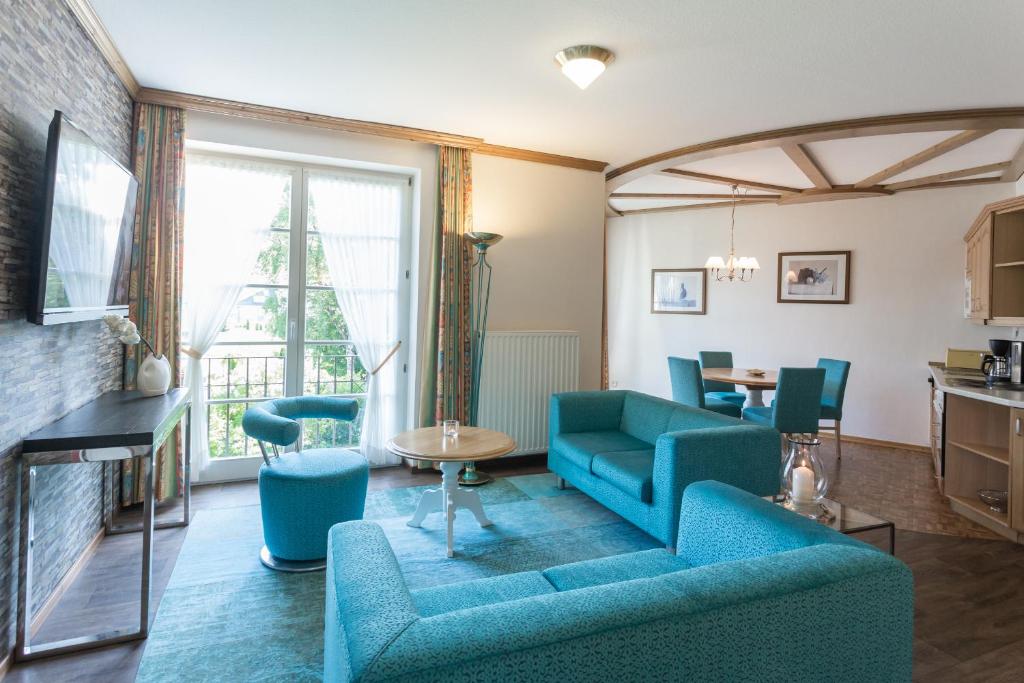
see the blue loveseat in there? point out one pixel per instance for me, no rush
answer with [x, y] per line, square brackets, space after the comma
[635, 453]
[756, 593]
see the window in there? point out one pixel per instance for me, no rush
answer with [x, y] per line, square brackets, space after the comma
[286, 335]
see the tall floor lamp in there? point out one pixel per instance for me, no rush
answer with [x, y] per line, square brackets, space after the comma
[481, 296]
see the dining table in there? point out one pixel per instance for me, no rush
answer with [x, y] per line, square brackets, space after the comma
[755, 384]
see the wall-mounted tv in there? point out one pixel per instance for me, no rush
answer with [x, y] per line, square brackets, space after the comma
[84, 244]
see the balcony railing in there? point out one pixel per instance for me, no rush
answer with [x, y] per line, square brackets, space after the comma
[236, 379]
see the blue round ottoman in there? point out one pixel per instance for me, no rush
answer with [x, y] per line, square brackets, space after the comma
[304, 493]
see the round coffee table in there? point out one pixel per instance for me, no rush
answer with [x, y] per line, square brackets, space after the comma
[430, 444]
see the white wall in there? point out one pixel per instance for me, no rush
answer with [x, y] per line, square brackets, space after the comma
[548, 267]
[905, 306]
[547, 270]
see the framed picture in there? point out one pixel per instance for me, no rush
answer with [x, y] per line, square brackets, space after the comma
[814, 277]
[679, 290]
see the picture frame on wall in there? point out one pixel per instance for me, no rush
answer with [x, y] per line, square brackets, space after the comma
[813, 277]
[679, 291]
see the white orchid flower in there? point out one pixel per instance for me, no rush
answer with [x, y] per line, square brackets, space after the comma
[126, 331]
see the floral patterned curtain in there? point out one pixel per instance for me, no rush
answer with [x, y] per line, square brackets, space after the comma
[155, 285]
[447, 370]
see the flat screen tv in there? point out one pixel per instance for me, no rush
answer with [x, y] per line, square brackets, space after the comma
[84, 243]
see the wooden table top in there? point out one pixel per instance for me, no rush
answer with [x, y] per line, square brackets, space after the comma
[740, 376]
[472, 443]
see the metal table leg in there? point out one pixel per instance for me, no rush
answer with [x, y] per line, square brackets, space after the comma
[25, 496]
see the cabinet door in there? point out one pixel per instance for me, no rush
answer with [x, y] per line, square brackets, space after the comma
[983, 270]
[1017, 469]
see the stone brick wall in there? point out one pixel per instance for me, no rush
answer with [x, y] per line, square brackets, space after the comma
[47, 62]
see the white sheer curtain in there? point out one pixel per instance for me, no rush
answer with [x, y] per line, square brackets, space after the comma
[360, 222]
[88, 203]
[229, 206]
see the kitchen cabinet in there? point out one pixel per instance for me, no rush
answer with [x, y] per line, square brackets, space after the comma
[981, 445]
[994, 265]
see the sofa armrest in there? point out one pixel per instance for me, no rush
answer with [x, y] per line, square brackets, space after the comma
[585, 411]
[744, 456]
[368, 604]
[719, 523]
[690, 625]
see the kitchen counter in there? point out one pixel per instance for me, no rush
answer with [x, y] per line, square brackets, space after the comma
[971, 384]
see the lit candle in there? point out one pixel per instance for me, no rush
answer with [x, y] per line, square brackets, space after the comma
[803, 485]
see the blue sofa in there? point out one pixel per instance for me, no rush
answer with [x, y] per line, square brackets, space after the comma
[756, 593]
[635, 453]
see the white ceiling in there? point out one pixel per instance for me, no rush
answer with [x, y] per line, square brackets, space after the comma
[686, 71]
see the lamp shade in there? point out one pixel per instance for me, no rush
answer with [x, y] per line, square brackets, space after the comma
[715, 262]
[582, 64]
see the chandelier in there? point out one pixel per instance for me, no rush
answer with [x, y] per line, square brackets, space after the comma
[733, 268]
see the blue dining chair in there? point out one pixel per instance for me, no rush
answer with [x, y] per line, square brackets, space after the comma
[720, 390]
[797, 405]
[688, 388]
[836, 374]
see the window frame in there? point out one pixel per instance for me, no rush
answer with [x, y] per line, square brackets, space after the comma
[232, 468]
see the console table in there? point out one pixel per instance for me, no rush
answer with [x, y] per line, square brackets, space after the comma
[118, 425]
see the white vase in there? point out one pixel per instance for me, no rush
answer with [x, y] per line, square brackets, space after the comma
[154, 376]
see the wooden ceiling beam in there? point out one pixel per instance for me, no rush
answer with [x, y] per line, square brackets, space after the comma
[690, 207]
[722, 180]
[952, 120]
[955, 183]
[688, 195]
[948, 175]
[1015, 169]
[807, 165]
[927, 154]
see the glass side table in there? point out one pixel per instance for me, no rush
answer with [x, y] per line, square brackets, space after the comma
[849, 520]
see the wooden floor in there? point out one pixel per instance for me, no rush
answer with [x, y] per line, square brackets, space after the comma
[969, 623]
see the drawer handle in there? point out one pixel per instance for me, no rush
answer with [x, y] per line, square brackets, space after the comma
[1018, 427]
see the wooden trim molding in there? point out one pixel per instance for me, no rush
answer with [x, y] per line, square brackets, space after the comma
[97, 32]
[539, 157]
[689, 195]
[694, 207]
[215, 105]
[949, 175]
[897, 445]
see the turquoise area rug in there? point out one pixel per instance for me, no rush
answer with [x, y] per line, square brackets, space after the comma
[225, 617]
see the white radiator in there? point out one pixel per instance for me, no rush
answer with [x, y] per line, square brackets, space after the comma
[521, 371]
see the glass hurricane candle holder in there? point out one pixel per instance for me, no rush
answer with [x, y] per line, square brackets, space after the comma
[451, 429]
[805, 480]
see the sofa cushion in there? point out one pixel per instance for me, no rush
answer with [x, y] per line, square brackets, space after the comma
[684, 418]
[580, 448]
[645, 417]
[629, 471]
[638, 565]
[455, 596]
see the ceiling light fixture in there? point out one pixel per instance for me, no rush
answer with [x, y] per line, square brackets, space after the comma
[582, 64]
[746, 265]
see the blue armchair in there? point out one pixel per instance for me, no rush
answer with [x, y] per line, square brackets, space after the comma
[635, 453]
[304, 493]
[757, 593]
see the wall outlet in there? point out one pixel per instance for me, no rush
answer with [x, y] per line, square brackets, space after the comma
[614, 384]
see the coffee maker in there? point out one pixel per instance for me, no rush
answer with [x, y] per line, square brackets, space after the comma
[1003, 366]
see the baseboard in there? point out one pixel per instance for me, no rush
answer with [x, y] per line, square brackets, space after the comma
[65, 583]
[877, 442]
